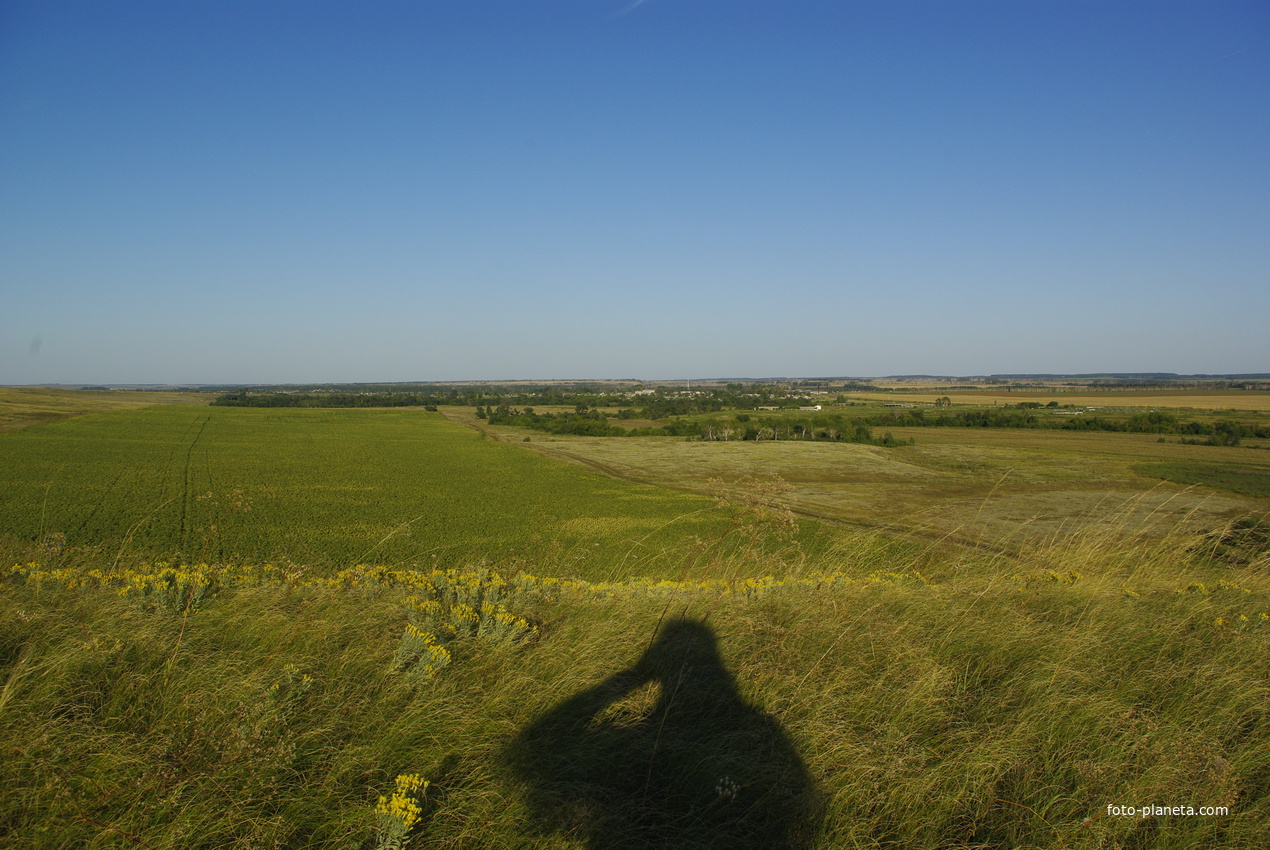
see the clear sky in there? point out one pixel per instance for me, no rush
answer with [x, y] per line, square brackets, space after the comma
[259, 192]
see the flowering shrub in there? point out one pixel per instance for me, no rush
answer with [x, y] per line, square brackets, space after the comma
[420, 655]
[449, 603]
[400, 813]
[457, 605]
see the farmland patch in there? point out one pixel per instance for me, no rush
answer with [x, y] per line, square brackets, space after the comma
[320, 487]
[1235, 478]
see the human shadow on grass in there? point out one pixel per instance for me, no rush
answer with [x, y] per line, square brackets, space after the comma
[667, 754]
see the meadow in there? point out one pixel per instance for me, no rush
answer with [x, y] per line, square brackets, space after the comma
[951, 698]
[1009, 487]
[322, 488]
[651, 644]
[22, 407]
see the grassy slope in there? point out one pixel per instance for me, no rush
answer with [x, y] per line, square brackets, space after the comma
[22, 407]
[990, 704]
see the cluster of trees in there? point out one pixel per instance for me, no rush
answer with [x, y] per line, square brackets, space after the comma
[584, 421]
[821, 427]
[663, 406]
[243, 398]
[1220, 433]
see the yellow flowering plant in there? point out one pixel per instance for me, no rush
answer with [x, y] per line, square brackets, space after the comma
[399, 813]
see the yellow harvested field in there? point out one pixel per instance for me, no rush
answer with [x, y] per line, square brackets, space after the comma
[1253, 400]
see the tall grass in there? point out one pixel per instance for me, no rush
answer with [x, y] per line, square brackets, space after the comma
[934, 697]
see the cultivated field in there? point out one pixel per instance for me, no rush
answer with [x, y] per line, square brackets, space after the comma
[324, 488]
[1173, 400]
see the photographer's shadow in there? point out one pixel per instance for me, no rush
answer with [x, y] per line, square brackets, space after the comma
[667, 754]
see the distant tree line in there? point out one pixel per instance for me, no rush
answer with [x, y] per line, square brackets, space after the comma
[660, 403]
[246, 399]
[819, 427]
[742, 427]
[1220, 433]
[582, 422]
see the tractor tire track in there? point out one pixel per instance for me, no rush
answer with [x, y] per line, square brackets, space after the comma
[185, 478]
[98, 503]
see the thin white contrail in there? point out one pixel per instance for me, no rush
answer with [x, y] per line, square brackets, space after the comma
[1222, 59]
[630, 7]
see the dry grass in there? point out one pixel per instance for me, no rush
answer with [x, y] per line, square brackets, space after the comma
[22, 407]
[949, 698]
[1177, 401]
[972, 485]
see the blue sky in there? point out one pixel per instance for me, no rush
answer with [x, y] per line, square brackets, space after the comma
[258, 192]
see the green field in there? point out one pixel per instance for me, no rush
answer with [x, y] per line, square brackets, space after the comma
[1224, 476]
[329, 488]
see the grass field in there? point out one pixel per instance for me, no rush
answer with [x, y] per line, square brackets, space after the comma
[326, 488]
[22, 407]
[1245, 480]
[971, 485]
[610, 663]
[950, 699]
